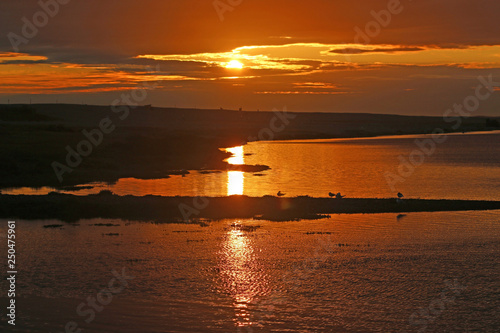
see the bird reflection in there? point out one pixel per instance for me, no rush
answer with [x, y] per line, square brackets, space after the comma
[400, 216]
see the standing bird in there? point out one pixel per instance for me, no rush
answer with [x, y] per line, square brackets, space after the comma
[280, 194]
[400, 195]
[331, 194]
[339, 196]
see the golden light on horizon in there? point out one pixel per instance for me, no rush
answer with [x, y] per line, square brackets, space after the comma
[234, 64]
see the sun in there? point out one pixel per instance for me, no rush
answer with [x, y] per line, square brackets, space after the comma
[234, 64]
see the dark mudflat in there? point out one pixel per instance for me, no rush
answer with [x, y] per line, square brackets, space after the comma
[178, 209]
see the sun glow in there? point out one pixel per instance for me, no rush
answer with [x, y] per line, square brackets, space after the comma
[234, 64]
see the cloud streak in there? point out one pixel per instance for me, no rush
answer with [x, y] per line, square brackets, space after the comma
[376, 50]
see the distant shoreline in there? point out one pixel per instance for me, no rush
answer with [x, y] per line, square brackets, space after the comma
[380, 137]
[170, 108]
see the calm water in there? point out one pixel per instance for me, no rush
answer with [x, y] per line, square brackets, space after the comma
[349, 273]
[465, 166]
[419, 272]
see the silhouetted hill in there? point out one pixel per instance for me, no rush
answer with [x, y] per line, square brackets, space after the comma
[150, 142]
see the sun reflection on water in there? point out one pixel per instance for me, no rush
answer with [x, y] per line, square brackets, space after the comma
[238, 157]
[241, 275]
[235, 182]
[236, 179]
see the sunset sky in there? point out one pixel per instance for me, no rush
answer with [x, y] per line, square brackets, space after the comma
[259, 54]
